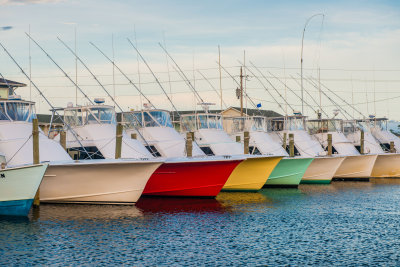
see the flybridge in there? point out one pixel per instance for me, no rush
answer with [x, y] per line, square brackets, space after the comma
[7, 87]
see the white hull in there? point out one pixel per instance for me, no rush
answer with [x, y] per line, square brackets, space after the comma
[322, 170]
[21, 183]
[357, 166]
[387, 165]
[96, 182]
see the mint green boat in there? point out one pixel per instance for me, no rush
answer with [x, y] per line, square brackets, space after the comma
[288, 172]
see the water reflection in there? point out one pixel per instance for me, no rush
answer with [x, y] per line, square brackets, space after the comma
[385, 181]
[68, 212]
[177, 205]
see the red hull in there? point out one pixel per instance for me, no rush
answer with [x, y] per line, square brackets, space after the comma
[190, 179]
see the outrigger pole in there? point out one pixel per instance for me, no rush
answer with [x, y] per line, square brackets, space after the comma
[48, 102]
[66, 75]
[155, 77]
[130, 81]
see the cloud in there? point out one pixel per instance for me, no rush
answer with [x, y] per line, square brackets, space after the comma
[25, 2]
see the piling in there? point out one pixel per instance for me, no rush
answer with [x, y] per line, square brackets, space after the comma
[329, 144]
[392, 149]
[63, 139]
[284, 140]
[291, 145]
[36, 160]
[246, 141]
[118, 141]
[362, 143]
[189, 144]
[238, 139]
[133, 136]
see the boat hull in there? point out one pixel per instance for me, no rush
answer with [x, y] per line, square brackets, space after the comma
[190, 179]
[288, 172]
[18, 187]
[96, 183]
[387, 165]
[322, 170]
[251, 174]
[357, 166]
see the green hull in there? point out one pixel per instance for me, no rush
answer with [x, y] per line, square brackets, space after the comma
[315, 182]
[288, 172]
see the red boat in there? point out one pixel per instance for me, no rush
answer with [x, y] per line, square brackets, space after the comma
[191, 177]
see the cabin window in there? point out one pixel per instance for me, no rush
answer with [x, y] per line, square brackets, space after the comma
[157, 118]
[153, 151]
[188, 123]
[103, 115]
[3, 115]
[207, 150]
[77, 153]
[253, 150]
[20, 111]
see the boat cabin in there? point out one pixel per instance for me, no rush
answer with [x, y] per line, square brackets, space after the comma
[286, 123]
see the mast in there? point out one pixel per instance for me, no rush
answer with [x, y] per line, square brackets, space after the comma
[220, 76]
[30, 67]
[76, 73]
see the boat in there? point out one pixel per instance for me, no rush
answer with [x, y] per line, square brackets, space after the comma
[289, 171]
[18, 187]
[387, 164]
[153, 127]
[251, 174]
[66, 180]
[355, 166]
[323, 167]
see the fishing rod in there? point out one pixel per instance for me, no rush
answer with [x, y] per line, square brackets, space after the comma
[87, 68]
[183, 74]
[48, 102]
[212, 86]
[66, 75]
[342, 99]
[276, 90]
[266, 89]
[155, 77]
[105, 90]
[130, 81]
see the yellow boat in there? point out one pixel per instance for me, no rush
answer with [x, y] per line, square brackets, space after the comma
[251, 174]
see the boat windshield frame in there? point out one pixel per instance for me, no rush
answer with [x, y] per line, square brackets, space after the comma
[380, 123]
[194, 122]
[317, 126]
[17, 110]
[147, 118]
[85, 115]
[239, 124]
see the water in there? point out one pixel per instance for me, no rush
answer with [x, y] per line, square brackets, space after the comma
[345, 223]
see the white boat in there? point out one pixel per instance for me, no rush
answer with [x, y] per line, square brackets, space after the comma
[387, 164]
[355, 165]
[249, 175]
[66, 180]
[18, 187]
[289, 171]
[323, 167]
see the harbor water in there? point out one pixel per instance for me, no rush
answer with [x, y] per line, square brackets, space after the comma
[344, 223]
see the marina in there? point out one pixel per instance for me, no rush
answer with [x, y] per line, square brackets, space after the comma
[226, 142]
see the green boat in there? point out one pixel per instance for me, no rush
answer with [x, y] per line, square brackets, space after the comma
[288, 172]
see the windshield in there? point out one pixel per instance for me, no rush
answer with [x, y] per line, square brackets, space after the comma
[17, 111]
[188, 123]
[324, 126]
[103, 115]
[294, 123]
[132, 120]
[214, 121]
[157, 118]
[350, 127]
[381, 124]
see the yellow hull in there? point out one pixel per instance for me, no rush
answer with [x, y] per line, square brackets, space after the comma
[251, 174]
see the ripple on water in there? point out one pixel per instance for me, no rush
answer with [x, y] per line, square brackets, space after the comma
[339, 224]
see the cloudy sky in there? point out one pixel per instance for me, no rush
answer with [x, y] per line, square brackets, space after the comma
[356, 49]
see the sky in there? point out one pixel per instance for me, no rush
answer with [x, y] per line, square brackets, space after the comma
[352, 53]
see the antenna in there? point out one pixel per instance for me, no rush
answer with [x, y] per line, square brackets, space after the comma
[220, 76]
[30, 66]
[212, 86]
[76, 73]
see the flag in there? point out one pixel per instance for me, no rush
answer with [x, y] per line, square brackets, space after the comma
[259, 105]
